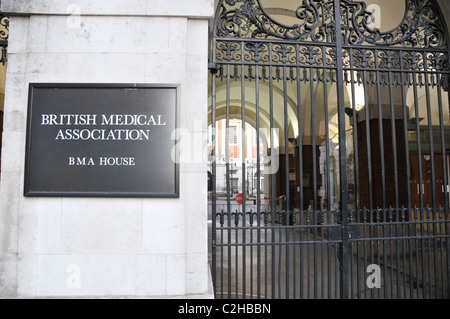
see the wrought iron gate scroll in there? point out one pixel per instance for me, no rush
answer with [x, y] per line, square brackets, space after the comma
[352, 132]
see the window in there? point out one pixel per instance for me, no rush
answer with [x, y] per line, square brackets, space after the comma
[233, 135]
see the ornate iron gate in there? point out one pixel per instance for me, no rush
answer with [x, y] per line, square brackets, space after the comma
[329, 152]
[4, 34]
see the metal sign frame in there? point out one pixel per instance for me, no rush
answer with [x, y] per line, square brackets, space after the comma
[102, 140]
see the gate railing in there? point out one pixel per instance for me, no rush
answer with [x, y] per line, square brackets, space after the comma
[374, 126]
[393, 254]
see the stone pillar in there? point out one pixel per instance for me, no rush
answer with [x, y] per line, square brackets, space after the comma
[105, 247]
[445, 7]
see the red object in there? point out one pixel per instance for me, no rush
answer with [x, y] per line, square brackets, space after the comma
[239, 198]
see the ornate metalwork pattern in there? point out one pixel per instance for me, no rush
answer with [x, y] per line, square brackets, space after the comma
[4, 34]
[421, 26]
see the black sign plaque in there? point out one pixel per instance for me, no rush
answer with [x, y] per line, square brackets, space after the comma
[102, 140]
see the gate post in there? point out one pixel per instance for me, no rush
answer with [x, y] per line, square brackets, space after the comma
[109, 245]
[344, 249]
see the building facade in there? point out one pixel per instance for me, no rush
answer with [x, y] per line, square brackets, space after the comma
[157, 247]
[112, 247]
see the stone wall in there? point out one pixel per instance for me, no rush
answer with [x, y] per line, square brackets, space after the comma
[105, 246]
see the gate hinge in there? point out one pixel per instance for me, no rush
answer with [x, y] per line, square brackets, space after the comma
[212, 67]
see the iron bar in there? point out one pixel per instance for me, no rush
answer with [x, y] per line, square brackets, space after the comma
[214, 171]
[227, 167]
[342, 156]
[243, 155]
[272, 157]
[408, 168]
[258, 180]
[300, 162]
[444, 176]
[327, 153]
